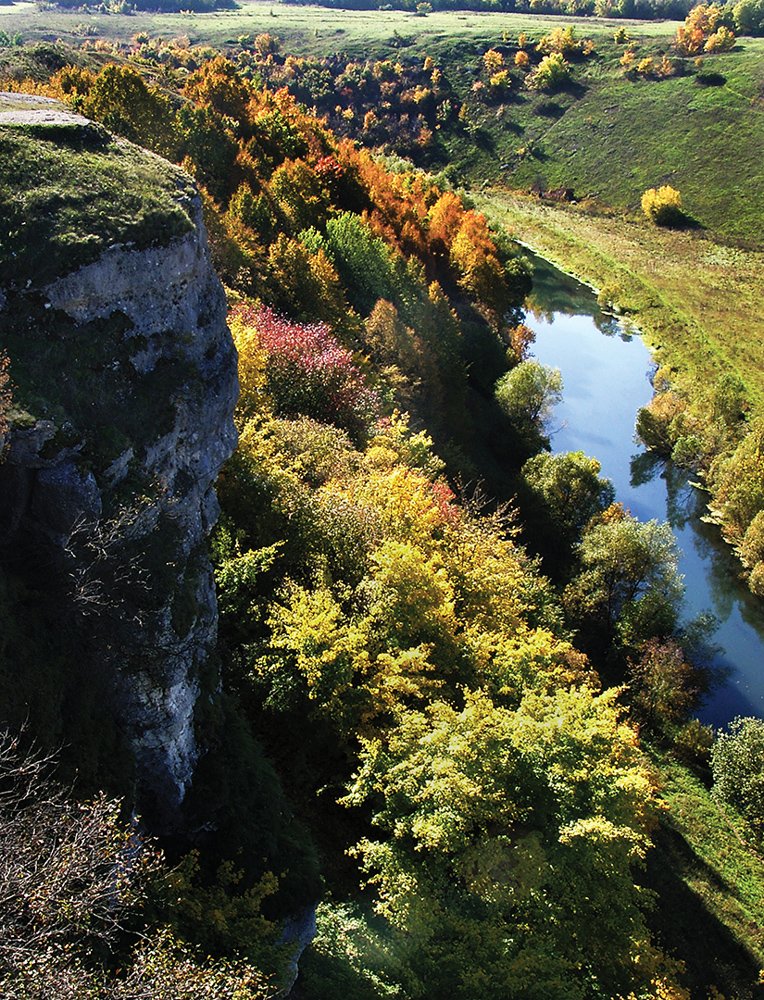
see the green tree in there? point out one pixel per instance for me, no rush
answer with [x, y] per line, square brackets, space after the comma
[736, 763]
[528, 393]
[749, 17]
[300, 194]
[362, 261]
[569, 487]
[738, 484]
[628, 577]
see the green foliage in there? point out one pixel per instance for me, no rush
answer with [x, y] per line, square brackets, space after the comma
[569, 489]
[628, 578]
[351, 958]
[241, 862]
[528, 393]
[219, 917]
[736, 763]
[362, 261]
[705, 843]
[749, 17]
[738, 482]
[300, 194]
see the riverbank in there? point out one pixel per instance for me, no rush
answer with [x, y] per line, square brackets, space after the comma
[699, 305]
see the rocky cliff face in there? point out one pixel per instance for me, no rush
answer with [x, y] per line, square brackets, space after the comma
[126, 381]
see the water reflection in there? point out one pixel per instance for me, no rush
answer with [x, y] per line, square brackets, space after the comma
[684, 502]
[606, 380]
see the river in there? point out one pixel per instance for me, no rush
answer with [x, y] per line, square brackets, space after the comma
[606, 377]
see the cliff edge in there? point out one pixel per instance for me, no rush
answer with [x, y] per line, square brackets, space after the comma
[124, 384]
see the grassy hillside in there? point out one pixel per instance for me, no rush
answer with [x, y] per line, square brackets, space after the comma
[603, 135]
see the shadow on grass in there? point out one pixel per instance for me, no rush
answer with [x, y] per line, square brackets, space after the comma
[550, 109]
[686, 928]
[710, 79]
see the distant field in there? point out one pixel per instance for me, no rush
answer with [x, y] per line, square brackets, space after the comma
[604, 136]
[304, 30]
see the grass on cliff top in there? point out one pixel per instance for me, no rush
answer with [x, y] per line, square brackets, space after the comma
[67, 194]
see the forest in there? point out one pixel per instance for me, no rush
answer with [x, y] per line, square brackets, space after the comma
[456, 707]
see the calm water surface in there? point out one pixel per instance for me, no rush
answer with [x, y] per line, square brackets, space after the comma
[606, 376]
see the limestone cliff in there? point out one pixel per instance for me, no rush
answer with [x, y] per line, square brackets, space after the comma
[124, 386]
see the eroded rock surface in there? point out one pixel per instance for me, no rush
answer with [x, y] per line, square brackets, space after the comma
[109, 464]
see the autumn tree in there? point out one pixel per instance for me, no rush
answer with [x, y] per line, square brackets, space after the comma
[553, 71]
[703, 32]
[121, 99]
[6, 396]
[664, 687]
[307, 371]
[485, 828]
[738, 484]
[73, 878]
[663, 206]
[218, 86]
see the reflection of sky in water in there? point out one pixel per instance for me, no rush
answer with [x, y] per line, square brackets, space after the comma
[605, 382]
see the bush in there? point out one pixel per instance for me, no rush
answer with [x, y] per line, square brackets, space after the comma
[736, 764]
[552, 72]
[663, 206]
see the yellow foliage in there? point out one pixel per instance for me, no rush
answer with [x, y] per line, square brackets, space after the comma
[405, 502]
[663, 205]
[699, 32]
[722, 40]
[500, 80]
[493, 61]
[252, 359]
[563, 40]
[628, 59]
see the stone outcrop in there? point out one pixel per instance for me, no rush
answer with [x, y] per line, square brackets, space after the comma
[108, 471]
